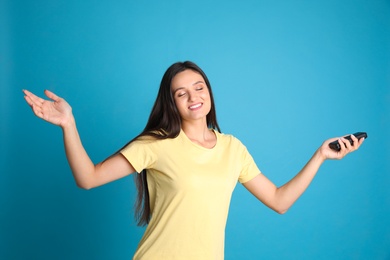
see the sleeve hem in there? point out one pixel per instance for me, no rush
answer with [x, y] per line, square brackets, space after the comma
[248, 178]
[136, 167]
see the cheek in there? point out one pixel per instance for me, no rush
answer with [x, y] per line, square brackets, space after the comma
[206, 97]
[179, 105]
[205, 94]
[207, 100]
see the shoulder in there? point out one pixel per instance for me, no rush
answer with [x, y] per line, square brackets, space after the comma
[228, 139]
[154, 136]
[154, 141]
[147, 146]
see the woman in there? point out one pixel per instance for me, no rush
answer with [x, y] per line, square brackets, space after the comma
[187, 168]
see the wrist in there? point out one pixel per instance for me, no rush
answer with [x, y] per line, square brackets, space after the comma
[318, 155]
[69, 123]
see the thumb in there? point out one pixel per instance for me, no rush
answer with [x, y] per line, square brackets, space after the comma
[51, 95]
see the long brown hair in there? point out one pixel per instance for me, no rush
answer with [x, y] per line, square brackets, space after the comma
[165, 122]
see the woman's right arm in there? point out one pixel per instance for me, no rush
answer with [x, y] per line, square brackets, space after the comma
[86, 174]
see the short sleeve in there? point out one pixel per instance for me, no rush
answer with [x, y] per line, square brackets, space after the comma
[141, 154]
[249, 168]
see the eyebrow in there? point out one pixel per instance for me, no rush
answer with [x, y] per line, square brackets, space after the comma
[199, 81]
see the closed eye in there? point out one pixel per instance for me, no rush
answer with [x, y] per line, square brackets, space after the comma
[199, 86]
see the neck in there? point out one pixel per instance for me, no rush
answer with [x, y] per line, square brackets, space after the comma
[198, 132]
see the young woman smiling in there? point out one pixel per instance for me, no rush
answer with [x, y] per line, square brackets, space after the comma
[186, 168]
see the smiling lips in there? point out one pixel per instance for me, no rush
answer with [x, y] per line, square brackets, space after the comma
[193, 107]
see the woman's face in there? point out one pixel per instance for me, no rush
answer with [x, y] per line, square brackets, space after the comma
[191, 95]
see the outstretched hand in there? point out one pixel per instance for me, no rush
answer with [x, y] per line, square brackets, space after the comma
[345, 146]
[56, 111]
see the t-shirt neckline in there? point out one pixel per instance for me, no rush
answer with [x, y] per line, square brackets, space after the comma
[198, 145]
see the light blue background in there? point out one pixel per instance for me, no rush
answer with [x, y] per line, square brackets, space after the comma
[286, 75]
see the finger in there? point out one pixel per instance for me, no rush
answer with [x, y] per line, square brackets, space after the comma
[51, 95]
[331, 140]
[35, 99]
[343, 142]
[355, 144]
[29, 101]
[342, 145]
[345, 147]
[359, 142]
[347, 143]
[35, 108]
[37, 111]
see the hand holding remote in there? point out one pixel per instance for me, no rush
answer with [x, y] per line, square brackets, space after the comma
[336, 146]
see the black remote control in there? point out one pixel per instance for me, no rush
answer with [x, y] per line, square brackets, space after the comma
[336, 146]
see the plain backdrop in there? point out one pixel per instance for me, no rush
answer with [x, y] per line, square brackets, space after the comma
[286, 75]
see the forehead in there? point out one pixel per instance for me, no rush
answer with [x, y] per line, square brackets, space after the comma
[186, 78]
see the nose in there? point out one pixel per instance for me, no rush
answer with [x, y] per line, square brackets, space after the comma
[191, 96]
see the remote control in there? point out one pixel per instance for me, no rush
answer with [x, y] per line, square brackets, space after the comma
[336, 146]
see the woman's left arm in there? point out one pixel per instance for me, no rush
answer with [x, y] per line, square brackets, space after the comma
[282, 198]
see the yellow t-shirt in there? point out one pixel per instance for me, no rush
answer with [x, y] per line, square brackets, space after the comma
[190, 189]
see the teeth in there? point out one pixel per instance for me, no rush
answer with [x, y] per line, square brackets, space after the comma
[195, 106]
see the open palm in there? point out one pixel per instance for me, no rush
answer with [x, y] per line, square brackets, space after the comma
[56, 111]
